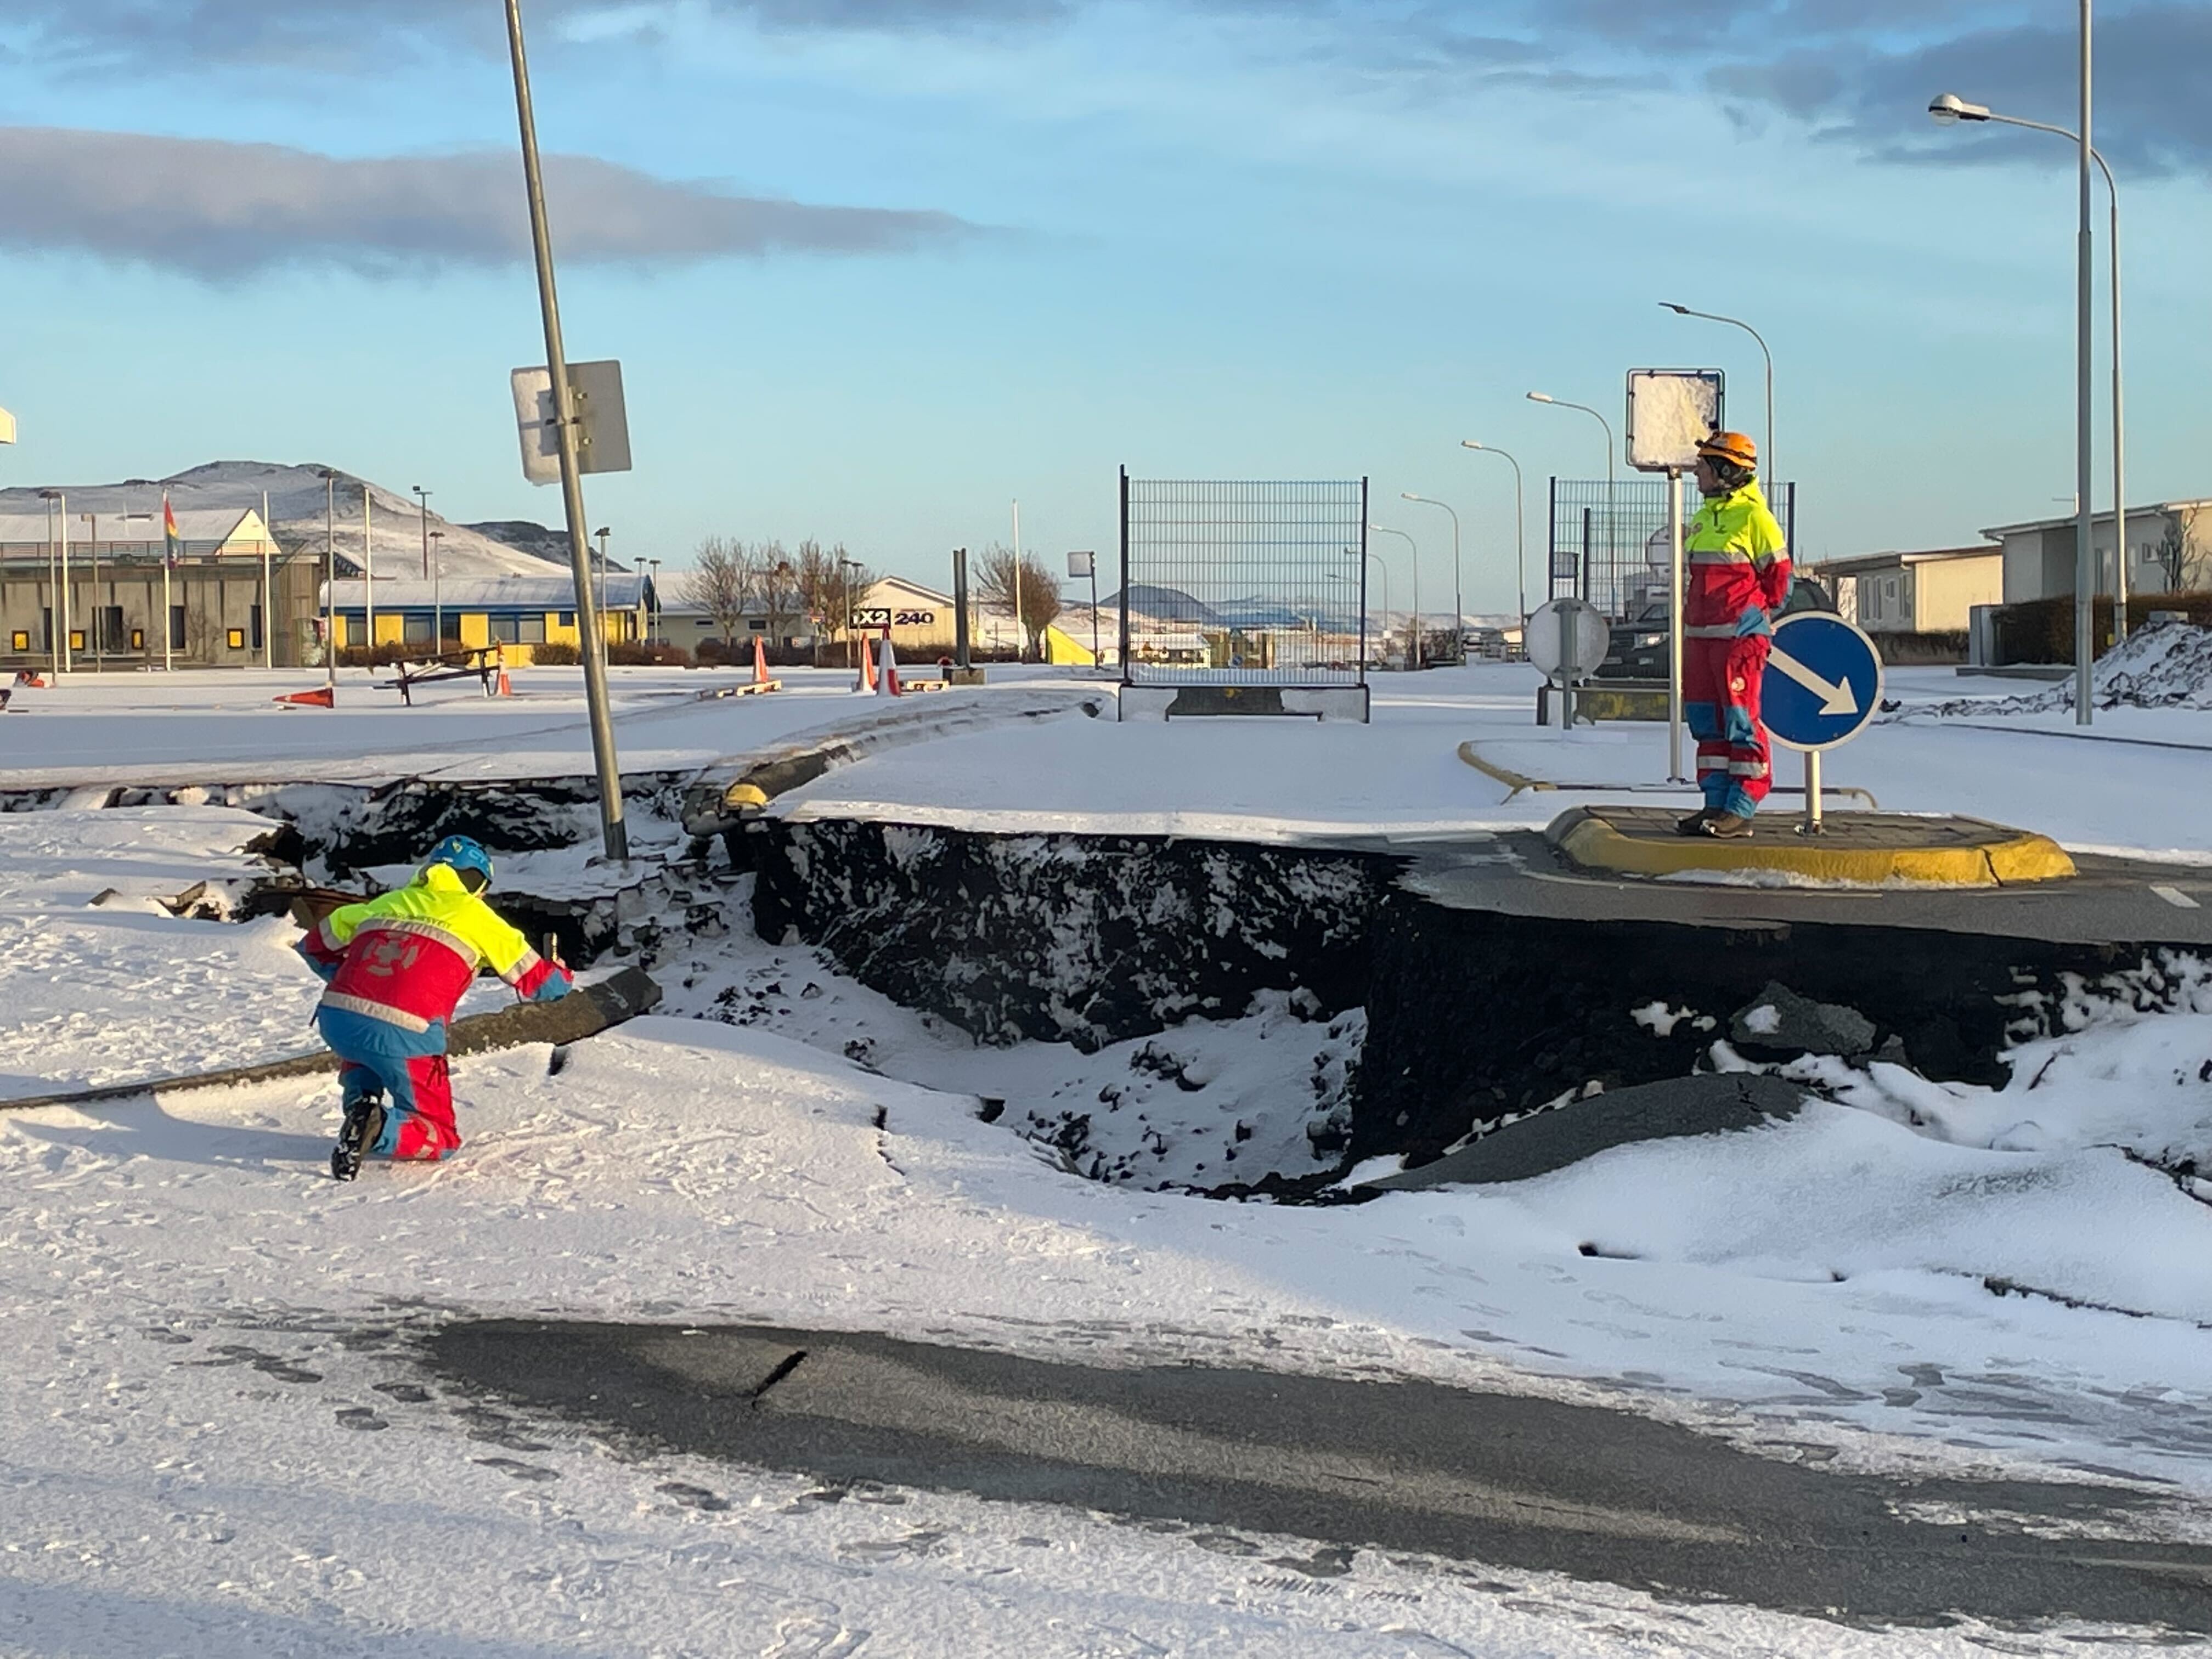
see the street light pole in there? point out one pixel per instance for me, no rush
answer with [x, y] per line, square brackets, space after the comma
[1520, 542]
[437, 595]
[1738, 322]
[603, 533]
[1459, 603]
[1414, 551]
[653, 612]
[1947, 108]
[614, 832]
[2085, 569]
[1611, 551]
[63, 661]
[423, 497]
[330, 582]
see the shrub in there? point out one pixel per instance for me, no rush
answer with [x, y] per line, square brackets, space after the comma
[556, 654]
[2042, 630]
[382, 656]
[635, 653]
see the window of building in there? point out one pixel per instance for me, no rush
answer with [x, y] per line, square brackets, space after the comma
[532, 629]
[568, 619]
[506, 631]
[236, 638]
[415, 630]
[108, 619]
[253, 627]
[176, 627]
[77, 638]
[137, 639]
[46, 628]
[21, 639]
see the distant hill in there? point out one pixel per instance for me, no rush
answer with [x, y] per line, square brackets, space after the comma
[296, 514]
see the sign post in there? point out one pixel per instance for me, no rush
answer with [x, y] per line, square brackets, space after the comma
[1670, 412]
[1086, 564]
[1823, 686]
[1567, 639]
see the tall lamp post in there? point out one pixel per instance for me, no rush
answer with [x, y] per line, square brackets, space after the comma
[653, 611]
[423, 495]
[1767, 454]
[1560, 403]
[1520, 542]
[60, 628]
[437, 592]
[330, 580]
[1413, 552]
[1459, 605]
[603, 533]
[1948, 108]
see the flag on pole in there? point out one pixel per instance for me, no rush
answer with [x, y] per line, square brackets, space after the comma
[173, 544]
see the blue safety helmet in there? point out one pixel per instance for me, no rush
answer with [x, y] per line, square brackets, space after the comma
[465, 859]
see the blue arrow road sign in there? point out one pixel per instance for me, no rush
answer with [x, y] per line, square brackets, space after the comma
[1823, 682]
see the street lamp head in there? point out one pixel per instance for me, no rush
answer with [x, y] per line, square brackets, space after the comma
[1949, 107]
[1408, 495]
[1541, 398]
[603, 531]
[1469, 443]
[1668, 305]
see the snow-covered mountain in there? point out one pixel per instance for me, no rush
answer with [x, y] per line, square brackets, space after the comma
[296, 512]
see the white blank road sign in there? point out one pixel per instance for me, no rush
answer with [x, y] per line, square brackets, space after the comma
[603, 436]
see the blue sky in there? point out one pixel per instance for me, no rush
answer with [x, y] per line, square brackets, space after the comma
[877, 267]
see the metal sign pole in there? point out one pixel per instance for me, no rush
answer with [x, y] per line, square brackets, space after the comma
[615, 834]
[1567, 619]
[1812, 825]
[1674, 625]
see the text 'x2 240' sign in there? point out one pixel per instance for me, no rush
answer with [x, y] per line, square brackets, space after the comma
[1823, 682]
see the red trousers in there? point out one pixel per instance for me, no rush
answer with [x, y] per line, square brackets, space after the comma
[1720, 705]
[418, 1102]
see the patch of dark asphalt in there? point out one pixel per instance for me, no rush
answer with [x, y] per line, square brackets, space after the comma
[1406, 1466]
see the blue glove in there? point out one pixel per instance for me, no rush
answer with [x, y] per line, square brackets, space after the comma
[557, 985]
[1754, 621]
[324, 971]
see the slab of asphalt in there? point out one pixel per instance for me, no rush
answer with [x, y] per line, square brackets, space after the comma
[1401, 1466]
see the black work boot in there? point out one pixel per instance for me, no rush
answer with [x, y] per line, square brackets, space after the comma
[1695, 824]
[363, 1125]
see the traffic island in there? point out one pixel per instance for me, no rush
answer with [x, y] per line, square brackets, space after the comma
[1874, 849]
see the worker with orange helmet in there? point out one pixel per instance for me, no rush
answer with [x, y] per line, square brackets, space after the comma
[1739, 575]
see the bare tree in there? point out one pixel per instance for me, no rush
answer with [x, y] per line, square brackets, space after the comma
[1039, 601]
[781, 597]
[723, 582]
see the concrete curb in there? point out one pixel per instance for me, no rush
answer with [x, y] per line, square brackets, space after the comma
[1991, 855]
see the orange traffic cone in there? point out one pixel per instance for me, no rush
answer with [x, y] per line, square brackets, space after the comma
[25, 677]
[867, 680]
[887, 683]
[760, 660]
[324, 698]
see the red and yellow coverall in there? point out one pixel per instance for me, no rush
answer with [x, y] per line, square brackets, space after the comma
[1739, 572]
[396, 967]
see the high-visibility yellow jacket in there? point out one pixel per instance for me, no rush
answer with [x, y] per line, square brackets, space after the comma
[406, 957]
[1739, 567]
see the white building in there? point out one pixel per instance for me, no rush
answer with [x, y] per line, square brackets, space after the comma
[2169, 551]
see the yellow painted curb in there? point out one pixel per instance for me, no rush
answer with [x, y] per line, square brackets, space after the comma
[2013, 856]
[1514, 781]
[744, 795]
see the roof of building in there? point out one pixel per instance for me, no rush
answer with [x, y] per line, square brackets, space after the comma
[2104, 517]
[1862, 564]
[625, 591]
[204, 525]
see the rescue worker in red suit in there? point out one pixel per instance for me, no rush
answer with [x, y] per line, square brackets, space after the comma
[395, 967]
[1739, 577]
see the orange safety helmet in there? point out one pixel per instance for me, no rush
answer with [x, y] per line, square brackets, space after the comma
[1731, 448]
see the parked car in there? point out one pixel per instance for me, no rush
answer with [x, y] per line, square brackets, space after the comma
[1638, 645]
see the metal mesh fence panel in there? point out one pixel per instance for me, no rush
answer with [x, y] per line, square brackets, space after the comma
[1243, 582]
[1608, 543]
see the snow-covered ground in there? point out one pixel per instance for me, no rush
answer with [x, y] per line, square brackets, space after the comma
[212, 1436]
